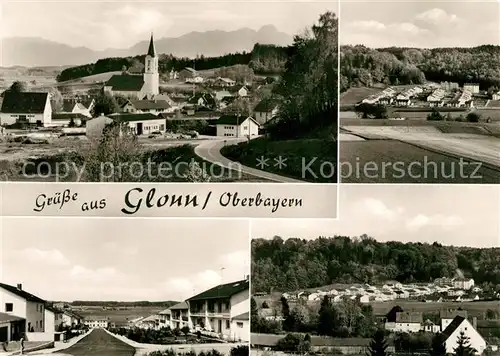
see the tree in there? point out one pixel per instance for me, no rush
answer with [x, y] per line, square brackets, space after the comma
[326, 320]
[378, 345]
[491, 314]
[196, 173]
[71, 123]
[463, 346]
[105, 104]
[435, 115]
[473, 117]
[265, 305]
[290, 343]
[18, 87]
[185, 330]
[241, 350]
[438, 347]
[56, 100]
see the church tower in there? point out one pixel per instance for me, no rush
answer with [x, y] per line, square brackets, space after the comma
[151, 76]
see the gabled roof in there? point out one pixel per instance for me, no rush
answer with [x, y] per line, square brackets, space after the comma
[223, 291]
[151, 49]
[68, 105]
[451, 314]
[234, 120]
[126, 82]
[453, 326]
[148, 104]
[133, 117]
[24, 103]
[266, 105]
[244, 316]
[21, 293]
[179, 306]
[409, 317]
[68, 116]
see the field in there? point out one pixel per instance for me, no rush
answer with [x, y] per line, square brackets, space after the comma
[121, 315]
[355, 95]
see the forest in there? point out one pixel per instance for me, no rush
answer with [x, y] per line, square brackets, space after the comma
[262, 59]
[363, 66]
[293, 264]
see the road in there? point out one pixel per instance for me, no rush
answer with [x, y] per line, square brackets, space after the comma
[99, 343]
[210, 152]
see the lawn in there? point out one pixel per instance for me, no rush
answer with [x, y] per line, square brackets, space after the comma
[320, 155]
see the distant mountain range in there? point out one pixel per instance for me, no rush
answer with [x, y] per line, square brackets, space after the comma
[34, 51]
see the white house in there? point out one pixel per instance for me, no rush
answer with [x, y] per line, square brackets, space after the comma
[214, 310]
[96, 322]
[463, 283]
[135, 86]
[462, 325]
[407, 322]
[243, 91]
[265, 110]
[472, 87]
[153, 106]
[496, 96]
[16, 301]
[430, 327]
[141, 124]
[237, 126]
[180, 316]
[26, 108]
[240, 327]
[77, 106]
[447, 316]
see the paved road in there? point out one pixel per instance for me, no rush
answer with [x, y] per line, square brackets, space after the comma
[210, 151]
[99, 343]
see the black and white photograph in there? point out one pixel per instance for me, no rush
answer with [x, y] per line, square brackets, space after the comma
[420, 92]
[405, 270]
[109, 287]
[168, 91]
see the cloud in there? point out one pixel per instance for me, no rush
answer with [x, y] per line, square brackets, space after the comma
[420, 221]
[98, 275]
[139, 20]
[437, 16]
[368, 25]
[45, 257]
[378, 208]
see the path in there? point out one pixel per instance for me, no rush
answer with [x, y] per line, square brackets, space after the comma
[98, 343]
[210, 152]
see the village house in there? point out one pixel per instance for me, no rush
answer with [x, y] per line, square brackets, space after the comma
[154, 106]
[141, 124]
[221, 94]
[447, 316]
[461, 325]
[202, 100]
[406, 322]
[463, 283]
[224, 82]
[496, 96]
[472, 87]
[11, 327]
[430, 327]
[96, 322]
[187, 74]
[138, 86]
[180, 316]
[237, 126]
[240, 327]
[213, 310]
[243, 92]
[265, 110]
[26, 108]
[78, 106]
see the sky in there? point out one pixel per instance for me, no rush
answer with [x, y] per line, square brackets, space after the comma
[122, 259]
[422, 24]
[447, 214]
[101, 25]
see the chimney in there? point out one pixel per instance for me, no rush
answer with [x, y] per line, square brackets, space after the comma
[19, 286]
[474, 322]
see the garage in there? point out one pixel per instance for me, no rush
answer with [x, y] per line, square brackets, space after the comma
[11, 327]
[4, 333]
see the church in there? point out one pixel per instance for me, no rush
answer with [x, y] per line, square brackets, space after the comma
[133, 86]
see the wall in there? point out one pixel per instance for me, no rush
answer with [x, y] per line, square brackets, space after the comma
[240, 303]
[9, 119]
[47, 113]
[19, 303]
[50, 321]
[251, 128]
[239, 332]
[40, 336]
[149, 126]
[476, 341]
[35, 316]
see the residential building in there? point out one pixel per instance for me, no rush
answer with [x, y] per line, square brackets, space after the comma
[463, 283]
[65, 119]
[430, 327]
[243, 91]
[26, 108]
[77, 106]
[96, 322]
[142, 86]
[11, 327]
[406, 322]
[447, 316]
[154, 106]
[237, 126]
[202, 100]
[265, 110]
[149, 322]
[164, 319]
[141, 124]
[180, 316]
[452, 333]
[187, 74]
[496, 96]
[472, 87]
[215, 309]
[224, 82]
[16, 301]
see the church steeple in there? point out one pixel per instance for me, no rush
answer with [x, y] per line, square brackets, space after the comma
[151, 50]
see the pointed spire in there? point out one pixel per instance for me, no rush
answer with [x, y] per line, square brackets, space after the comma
[151, 50]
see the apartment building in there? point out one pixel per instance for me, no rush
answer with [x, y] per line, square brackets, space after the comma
[97, 322]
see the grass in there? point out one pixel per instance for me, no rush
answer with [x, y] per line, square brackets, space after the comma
[99, 342]
[298, 154]
[388, 161]
[119, 315]
[355, 95]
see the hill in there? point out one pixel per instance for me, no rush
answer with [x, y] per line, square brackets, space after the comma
[293, 264]
[32, 51]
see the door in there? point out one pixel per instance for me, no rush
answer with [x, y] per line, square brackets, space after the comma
[4, 333]
[220, 326]
[139, 128]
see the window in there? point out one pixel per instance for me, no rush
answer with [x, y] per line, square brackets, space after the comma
[9, 307]
[41, 324]
[245, 128]
[162, 127]
[228, 324]
[36, 324]
[239, 324]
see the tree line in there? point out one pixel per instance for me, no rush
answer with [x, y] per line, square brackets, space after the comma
[363, 66]
[293, 264]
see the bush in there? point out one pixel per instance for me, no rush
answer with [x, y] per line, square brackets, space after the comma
[240, 351]
[473, 117]
[290, 343]
[265, 305]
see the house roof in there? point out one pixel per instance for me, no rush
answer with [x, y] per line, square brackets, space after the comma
[21, 293]
[68, 105]
[409, 317]
[208, 98]
[266, 105]
[4, 317]
[244, 316]
[24, 103]
[451, 314]
[133, 117]
[151, 49]
[453, 326]
[223, 291]
[179, 306]
[149, 104]
[233, 120]
[68, 116]
[126, 82]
